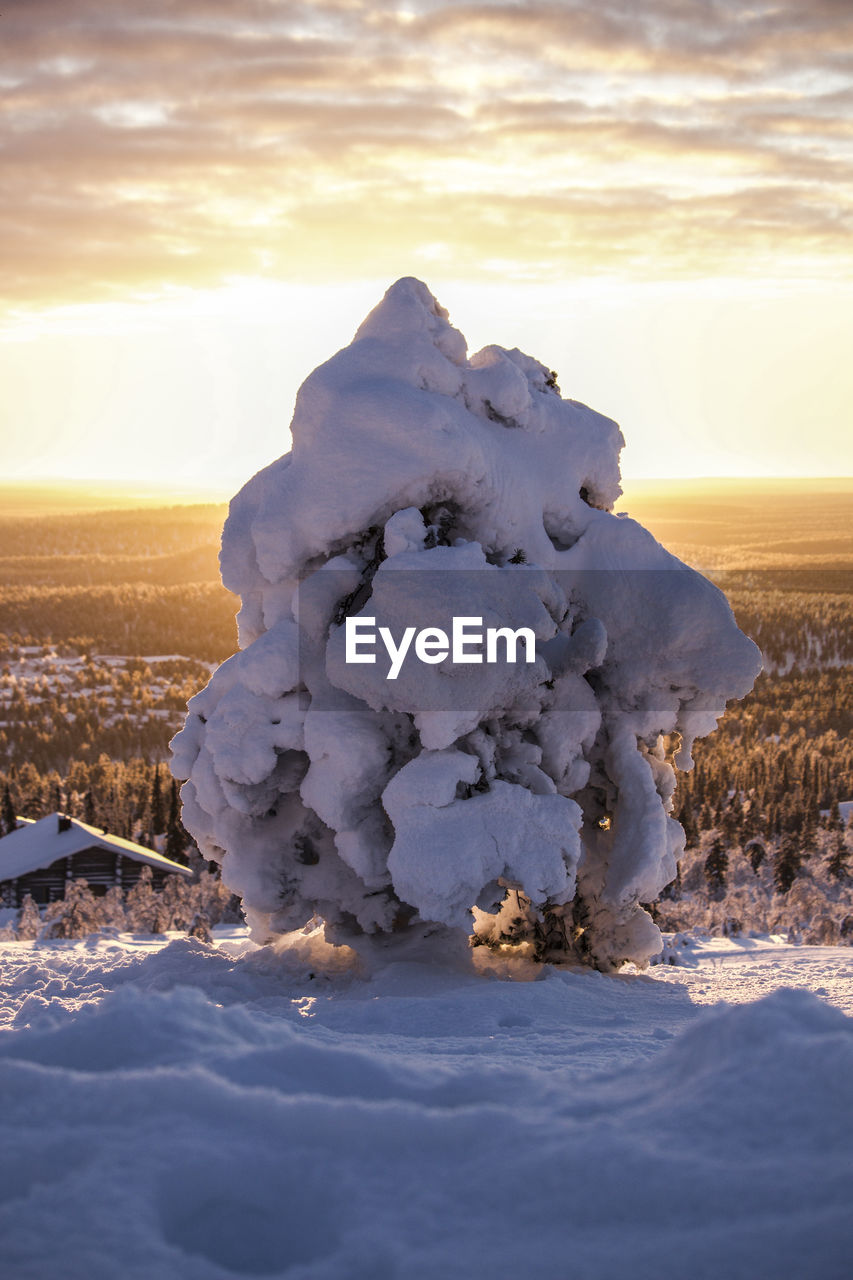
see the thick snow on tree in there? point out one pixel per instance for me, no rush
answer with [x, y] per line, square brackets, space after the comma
[525, 801]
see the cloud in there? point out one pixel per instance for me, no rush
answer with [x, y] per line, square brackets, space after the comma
[182, 142]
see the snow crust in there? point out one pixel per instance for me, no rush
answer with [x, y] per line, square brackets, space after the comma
[197, 1112]
[423, 485]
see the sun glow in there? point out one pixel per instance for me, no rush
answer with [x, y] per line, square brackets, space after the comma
[200, 214]
[704, 381]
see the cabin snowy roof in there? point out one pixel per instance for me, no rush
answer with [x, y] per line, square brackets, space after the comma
[39, 844]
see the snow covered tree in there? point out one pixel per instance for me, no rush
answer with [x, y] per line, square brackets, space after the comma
[179, 902]
[111, 909]
[74, 916]
[755, 851]
[424, 487]
[29, 923]
[142, 905]
[200, 927]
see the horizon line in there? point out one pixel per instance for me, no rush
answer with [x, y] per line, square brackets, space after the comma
[59, 496]
[130, 482]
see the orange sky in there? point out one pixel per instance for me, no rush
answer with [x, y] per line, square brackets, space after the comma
[200, 199]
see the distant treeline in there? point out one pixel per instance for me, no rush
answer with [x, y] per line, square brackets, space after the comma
[198, 564]
[195, 619]
[155, 532]
[764, 529]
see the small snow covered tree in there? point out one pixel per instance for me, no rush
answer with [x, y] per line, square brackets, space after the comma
[200, 927]
[112, 909]
[179, 903]
[530, 799]
[29, 922]
[756, 852]
[142, 907]
[74, 916]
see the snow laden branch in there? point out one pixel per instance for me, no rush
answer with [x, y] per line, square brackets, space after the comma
[524, 801]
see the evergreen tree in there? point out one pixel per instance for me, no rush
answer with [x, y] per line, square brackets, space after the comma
[158, 810]
[33, 806]
[90, 813]
[834, 822]
[774, 824]
[730, 822]
[749, 820]
[8, 820]
[787, 864]
[790, 813]
[56, 804]
[716, 867]
[809, 823]
[756, 852]
[839, 858]
[176, 837]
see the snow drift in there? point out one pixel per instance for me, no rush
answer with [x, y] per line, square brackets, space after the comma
[170, 1111]
[528, 802]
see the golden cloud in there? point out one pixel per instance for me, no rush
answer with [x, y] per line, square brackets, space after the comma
[177, 143]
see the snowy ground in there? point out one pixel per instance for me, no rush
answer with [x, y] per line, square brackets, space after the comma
[739, 970]
[202, 1112]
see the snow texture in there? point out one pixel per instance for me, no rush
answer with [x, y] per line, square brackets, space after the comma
[424, 485]
[194, 1112]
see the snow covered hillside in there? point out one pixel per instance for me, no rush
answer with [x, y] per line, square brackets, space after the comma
[195, 1112]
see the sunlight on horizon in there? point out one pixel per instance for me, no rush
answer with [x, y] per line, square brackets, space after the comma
[195, 388]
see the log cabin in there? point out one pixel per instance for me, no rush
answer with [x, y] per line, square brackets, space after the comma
[41, 858]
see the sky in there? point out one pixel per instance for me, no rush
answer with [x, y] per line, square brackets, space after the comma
[201, 200]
